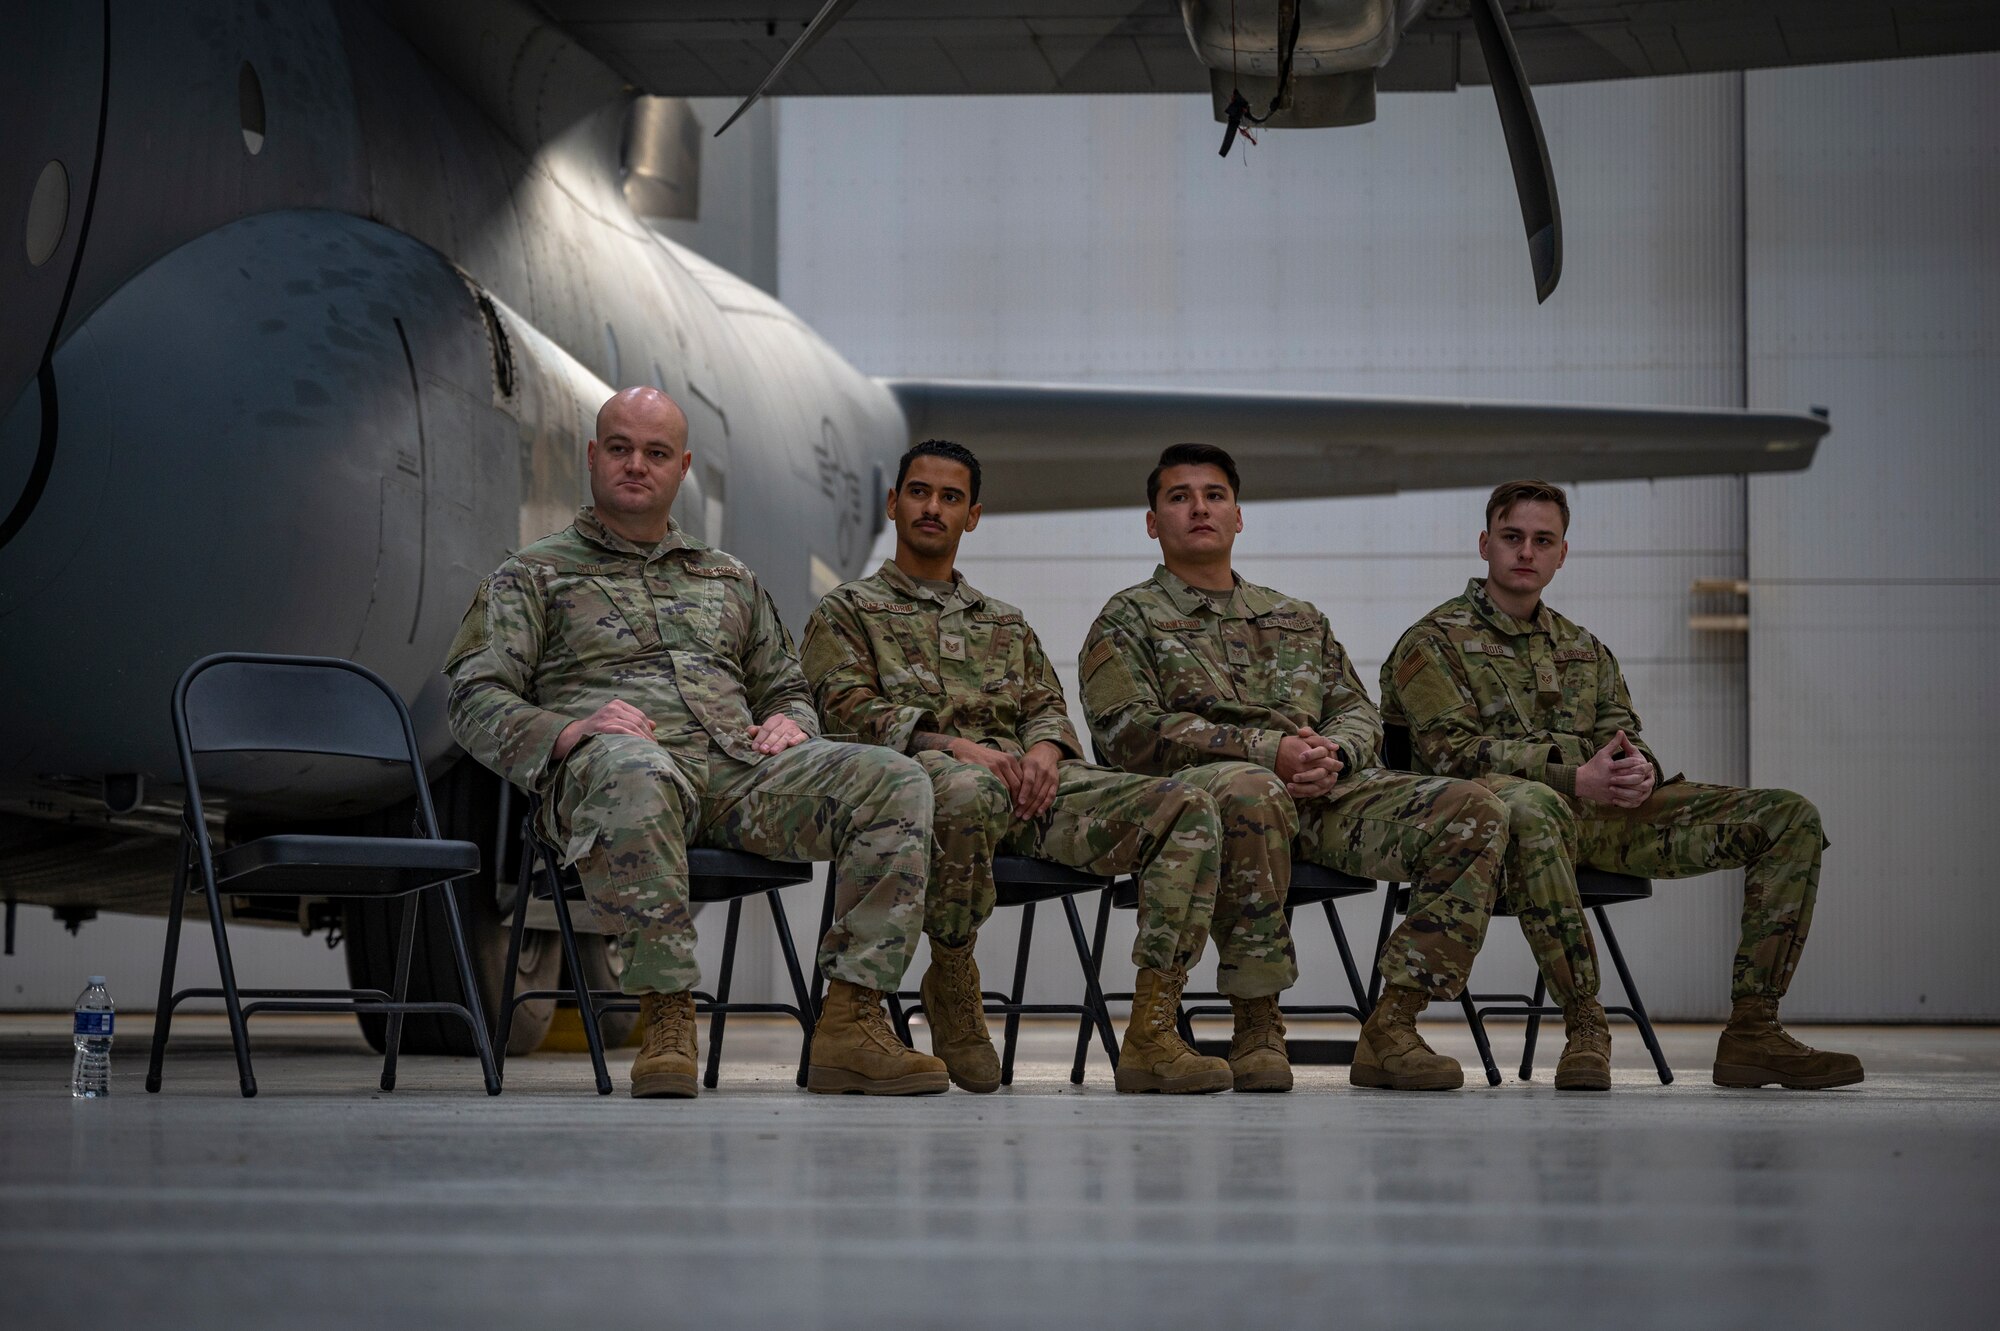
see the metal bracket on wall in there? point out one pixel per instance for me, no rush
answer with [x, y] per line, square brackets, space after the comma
[1734, 622]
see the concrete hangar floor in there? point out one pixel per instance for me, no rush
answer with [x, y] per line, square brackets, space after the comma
[323, 1203]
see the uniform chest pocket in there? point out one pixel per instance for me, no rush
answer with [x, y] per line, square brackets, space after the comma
[995, 666]
[1576, 674]
[1289, 649]
[906, 649]
[601, 612]
[1502, 685]
[1189, 662]
[690, 609]
[996, 651]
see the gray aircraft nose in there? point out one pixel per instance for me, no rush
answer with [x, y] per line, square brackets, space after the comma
[242, 463]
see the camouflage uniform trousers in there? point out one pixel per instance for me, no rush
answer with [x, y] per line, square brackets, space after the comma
[1682, 829]
[1101, 821]
[1446, 838]
[623, 809]
[1253, 939]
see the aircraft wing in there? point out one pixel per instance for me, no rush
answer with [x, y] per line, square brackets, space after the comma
[726, 47]
[1057, 446]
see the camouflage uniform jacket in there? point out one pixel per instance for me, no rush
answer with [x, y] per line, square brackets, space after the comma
[567, 624]
[1484, 692]
[1168, 682]
[888, 657]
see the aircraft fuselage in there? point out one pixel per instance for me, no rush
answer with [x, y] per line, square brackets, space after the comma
[333, 343]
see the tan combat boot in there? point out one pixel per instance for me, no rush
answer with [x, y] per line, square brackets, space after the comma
[666, 1062]
[1391, 1056]
[1585, 1064]
[854, 1049]
[1257, 1057]
[1153, 1057]
[957, 1016]
[1756, 1051]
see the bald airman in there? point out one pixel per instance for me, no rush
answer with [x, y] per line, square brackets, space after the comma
[642, 684]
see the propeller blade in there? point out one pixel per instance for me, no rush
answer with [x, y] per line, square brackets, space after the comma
[1534, 179]
[829, 14]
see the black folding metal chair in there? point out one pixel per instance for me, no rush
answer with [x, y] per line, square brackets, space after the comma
[241, 702]
[1312, 884]
[1596, 889]
[714, 875]
[1018, 880]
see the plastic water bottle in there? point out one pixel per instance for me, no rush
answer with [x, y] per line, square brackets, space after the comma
[90, 1079]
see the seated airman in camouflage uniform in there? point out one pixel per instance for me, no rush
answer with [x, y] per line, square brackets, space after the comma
[620, 669]
[1245, 692]
[916, 660]
[1496, 686]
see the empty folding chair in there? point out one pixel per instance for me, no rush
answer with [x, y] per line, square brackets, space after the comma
[240, 702]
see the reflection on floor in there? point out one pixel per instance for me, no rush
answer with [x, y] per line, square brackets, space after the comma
[323, 1203]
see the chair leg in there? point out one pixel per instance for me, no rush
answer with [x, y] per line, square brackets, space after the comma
[231, 1002]
[399, 988]
[1084, 1024]
[1534, 1026]
[1381, 941]
[1014, 994]
[586, 1006]
[448, 901]
[1644, 1022]
[825, 927]
[800, 993]
[717, 1016]
[1346, 956]
[1093, 995]
[1479, 1040]
[163, 1013]
[900, 1019]
[517, 932]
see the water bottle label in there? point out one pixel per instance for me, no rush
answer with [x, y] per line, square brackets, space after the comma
[93, 1023]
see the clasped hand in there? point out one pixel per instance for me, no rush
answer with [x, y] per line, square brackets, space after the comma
[1308, 763]
[1617, 774]
[1030, 779]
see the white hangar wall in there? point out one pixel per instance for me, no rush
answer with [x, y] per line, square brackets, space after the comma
[1873, 229]
[1101, 240]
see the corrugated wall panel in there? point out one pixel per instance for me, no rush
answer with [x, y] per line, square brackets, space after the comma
[1101, 240]
[1874, 255]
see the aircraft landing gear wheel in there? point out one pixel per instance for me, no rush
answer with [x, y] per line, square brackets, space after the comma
[467, 799]
[603, 963]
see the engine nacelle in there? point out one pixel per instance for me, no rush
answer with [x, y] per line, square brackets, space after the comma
[284, 436]
[1340, 45]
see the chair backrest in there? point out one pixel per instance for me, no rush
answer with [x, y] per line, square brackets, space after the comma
[290, 705]
[246, 702]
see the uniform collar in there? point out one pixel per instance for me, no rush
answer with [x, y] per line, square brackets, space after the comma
[592, 529]
[962, 593]
[1475, 592]
[1247, 602]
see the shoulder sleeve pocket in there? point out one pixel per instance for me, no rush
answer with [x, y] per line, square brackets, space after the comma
[1426, 691]
[821, 652]
[473, 633]
[1108, 681]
